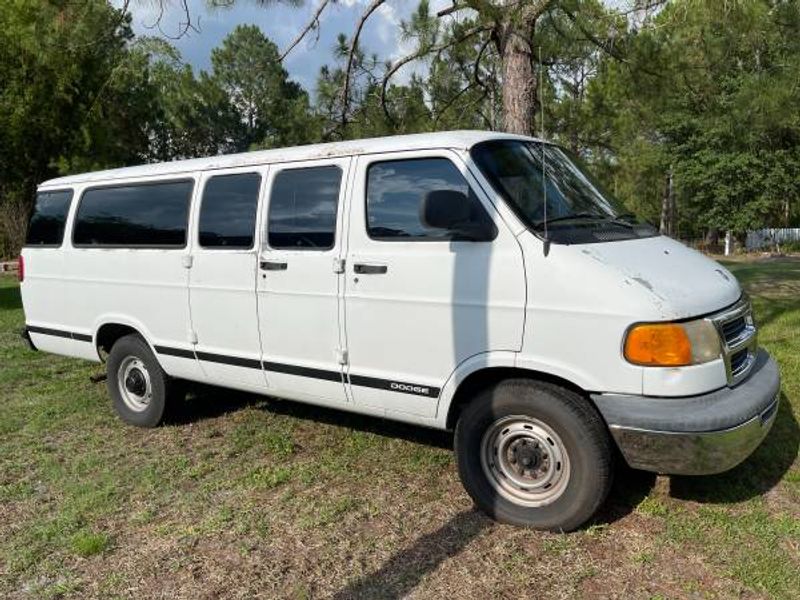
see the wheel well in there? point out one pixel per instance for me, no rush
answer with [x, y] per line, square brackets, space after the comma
[109, 333]
[479, 380]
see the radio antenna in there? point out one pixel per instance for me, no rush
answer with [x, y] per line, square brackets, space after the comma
[544, 154]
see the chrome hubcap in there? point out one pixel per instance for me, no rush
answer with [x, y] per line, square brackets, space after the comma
[133, 381]
[525, 461]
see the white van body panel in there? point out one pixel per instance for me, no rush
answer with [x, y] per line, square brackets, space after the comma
[583, 298]
[474, 364]
[680, 282]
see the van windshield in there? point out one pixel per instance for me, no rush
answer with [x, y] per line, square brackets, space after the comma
[578, 209]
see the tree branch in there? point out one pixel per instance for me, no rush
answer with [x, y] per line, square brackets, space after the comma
[593, 38]
[530, 14]
[183, 27]
[373, 6]
[452, 101]
[398, 64]
[451, 9]
[312, 24]
[476, 73]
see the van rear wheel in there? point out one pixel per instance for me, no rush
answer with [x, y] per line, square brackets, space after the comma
[137, 384]
[534, 454]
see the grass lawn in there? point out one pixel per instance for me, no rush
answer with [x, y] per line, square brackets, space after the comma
[245, 496]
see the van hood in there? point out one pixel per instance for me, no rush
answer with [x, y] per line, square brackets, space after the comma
[682, 282]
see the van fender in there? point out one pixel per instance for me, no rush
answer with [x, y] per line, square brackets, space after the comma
[577, 377]
[118, 319]
[468, 366]
[503, 359]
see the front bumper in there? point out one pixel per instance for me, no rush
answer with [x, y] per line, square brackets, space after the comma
[698, 435]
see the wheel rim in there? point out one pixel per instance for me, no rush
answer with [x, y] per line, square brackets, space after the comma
[525, 461]
[134, 383]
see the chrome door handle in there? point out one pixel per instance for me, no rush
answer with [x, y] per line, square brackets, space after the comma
[270, 265]
[363, 269]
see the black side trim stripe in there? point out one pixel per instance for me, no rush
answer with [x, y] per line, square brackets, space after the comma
[303, 371]
[249, 363]
[400, 387]
[78, 337]
[175, 352]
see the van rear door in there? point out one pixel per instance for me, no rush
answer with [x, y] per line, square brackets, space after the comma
[418, 301]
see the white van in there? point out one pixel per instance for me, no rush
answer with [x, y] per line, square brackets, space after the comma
[439, 279]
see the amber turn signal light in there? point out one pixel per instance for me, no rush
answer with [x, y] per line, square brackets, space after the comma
[658, 344]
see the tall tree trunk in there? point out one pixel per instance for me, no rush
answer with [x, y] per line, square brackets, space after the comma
[519, 84]
[514, 37]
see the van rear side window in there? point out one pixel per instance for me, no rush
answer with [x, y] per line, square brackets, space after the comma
[46, 227]
[139, 215]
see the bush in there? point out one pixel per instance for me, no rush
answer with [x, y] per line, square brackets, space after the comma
[790, 247]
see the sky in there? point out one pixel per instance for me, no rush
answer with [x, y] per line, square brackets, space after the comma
[281, 23]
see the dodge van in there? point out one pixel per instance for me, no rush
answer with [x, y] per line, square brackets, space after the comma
[473, 281]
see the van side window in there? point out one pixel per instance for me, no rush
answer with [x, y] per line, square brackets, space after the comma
[302, 208]
[46, 227]
[396, 191]
[145, 214]
[228, 211]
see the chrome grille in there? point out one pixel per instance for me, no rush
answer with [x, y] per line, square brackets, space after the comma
[733, 329]
[738, 336]
[739, 361]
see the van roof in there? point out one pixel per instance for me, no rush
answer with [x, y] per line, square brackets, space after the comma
[419, 141]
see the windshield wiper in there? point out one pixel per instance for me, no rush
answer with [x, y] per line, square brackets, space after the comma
[574, 216]
[625, 219]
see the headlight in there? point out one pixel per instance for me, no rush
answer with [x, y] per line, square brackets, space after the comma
[672, 344]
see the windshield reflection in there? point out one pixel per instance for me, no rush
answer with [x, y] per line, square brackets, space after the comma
[526, 173]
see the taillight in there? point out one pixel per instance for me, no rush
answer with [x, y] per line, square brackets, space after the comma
[21, 269]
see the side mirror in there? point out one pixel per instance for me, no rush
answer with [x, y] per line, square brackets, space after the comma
[451, 210]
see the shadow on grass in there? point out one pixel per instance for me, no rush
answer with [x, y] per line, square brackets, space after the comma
[10, 298]
[375, 425]
[628, 490]
[209, 402]
[403, 572]
[630, 487]
[194, 402]
[756, 475]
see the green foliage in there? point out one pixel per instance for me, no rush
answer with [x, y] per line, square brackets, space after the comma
[708, 90]
[272, 109]
[61, 64]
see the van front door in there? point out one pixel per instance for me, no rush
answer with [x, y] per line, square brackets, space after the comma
[420, 299]
[299, 281]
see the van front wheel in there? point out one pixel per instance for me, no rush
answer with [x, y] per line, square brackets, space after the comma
[136, 382]
[534, 454]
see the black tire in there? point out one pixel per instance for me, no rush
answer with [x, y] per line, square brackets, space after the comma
[132, 352]
[582, 437]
